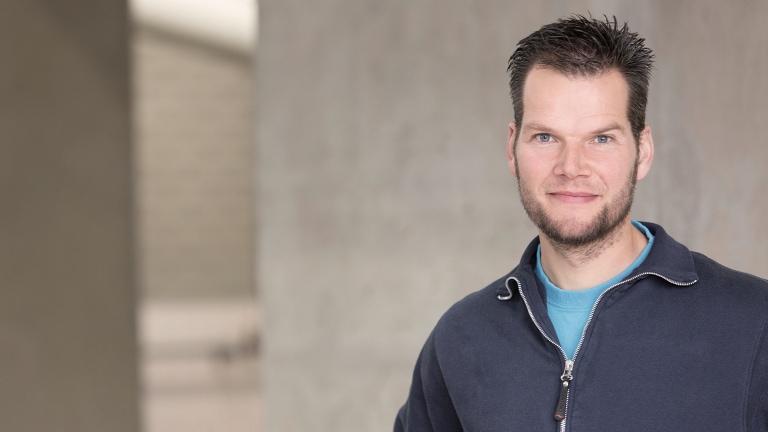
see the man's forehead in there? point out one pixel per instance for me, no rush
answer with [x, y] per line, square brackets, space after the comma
[552, 98]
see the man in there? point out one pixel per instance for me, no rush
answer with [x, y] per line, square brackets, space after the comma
[607, 324]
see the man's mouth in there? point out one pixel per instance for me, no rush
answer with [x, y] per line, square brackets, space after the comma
[573, 197]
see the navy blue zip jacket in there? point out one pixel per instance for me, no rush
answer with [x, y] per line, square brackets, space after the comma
[680, 345]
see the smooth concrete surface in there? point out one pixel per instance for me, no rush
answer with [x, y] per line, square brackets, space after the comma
[708, 108]
[193, 118]
[384, 195]
[67, 337]
[198, 322]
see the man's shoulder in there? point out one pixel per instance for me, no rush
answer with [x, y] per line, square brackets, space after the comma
[670, 257]
[729, 281]
[476, 307]
[707, 268]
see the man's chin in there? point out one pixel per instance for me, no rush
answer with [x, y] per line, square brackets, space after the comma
[572, 233]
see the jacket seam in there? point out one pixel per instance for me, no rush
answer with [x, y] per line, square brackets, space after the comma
[753, 364]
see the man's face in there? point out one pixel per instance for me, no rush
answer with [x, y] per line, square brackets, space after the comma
[575, 159]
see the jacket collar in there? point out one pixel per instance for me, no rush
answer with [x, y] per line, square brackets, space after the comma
[667, 259]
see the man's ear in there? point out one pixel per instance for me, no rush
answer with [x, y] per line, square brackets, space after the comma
[511, 149]
[645, 153]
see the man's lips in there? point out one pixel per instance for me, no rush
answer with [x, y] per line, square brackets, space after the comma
[573, 197]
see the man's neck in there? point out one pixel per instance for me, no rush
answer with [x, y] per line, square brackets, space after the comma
[583, 267]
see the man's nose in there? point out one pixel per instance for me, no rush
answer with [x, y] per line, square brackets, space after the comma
[572, 162]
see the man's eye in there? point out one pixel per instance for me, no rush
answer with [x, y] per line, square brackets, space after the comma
[602, 139]
[544, 137]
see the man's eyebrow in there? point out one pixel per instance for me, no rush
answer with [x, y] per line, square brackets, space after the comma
[536, 126]
[609, 128]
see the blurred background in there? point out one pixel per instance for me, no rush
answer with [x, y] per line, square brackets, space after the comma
[231, 216]
[199, 321]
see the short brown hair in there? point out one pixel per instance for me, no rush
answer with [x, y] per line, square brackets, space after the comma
[581, 46]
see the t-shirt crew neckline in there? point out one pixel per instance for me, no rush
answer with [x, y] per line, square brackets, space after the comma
[569, 309]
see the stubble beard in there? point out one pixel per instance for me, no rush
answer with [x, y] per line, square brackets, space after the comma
[566, 235]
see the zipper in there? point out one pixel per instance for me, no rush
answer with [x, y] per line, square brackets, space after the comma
[562, 402]
[567, 376]
[561, 411]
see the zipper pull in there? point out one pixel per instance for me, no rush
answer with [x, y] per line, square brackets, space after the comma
[562, 402]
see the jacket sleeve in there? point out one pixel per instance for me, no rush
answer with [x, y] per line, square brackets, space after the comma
[429, 407]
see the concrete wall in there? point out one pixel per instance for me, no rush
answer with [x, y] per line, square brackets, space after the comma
[198, 320]
[67, 334]
[194, 168]
[384, 192]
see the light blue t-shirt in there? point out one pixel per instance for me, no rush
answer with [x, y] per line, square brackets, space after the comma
[569, 309]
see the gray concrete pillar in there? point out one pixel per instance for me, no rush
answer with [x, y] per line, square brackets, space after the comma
[67, 338]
